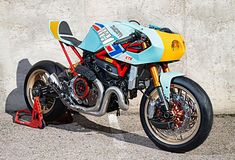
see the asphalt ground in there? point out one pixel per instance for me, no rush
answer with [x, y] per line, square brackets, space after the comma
[107, 137]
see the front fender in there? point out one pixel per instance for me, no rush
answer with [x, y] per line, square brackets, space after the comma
[165, 80]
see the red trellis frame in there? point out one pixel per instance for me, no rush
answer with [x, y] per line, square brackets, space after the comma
[122, 67]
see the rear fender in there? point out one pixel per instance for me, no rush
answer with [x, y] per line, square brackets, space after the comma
[165, 80]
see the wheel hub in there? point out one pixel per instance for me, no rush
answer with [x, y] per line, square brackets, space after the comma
[40, 88]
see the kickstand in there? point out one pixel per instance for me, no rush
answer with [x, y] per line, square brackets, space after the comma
[118, 112]
[36, 116]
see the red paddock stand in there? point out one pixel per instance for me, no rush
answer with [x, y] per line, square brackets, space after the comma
[36, 116]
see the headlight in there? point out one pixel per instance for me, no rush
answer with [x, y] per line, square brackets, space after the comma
[175, 45]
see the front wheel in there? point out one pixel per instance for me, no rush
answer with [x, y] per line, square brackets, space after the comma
[192, 116]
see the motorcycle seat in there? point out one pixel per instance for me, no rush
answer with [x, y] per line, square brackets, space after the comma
[62, 32]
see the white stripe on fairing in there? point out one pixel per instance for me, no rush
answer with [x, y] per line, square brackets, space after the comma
[108, 41]
[101, 31]
[105, 36]
[65, 35]
[118, 139]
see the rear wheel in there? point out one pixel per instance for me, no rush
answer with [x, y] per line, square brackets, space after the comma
[192, 116]
[36, 79]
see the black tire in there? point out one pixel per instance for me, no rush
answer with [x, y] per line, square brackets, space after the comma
[58, 108]
[206, 117]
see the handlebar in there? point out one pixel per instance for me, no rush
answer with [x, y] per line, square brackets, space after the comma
[131, 38]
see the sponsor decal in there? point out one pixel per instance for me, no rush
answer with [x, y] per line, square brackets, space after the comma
[128, 58]
[104, 34]
[113, 49]
[108, 60]
[125, 57]
[107, 40]
[116, 30]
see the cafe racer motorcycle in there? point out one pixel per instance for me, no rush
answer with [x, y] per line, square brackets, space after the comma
[118, 59]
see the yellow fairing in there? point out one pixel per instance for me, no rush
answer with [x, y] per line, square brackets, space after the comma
[54, 28]
[174, 46]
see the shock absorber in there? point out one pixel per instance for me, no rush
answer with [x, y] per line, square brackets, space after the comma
[156, 82]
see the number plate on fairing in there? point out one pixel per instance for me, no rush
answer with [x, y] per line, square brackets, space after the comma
[107, 40]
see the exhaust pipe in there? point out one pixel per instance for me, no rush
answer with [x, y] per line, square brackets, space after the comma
[121, 101]
[102, 101]
[54, 81]
[56, 85]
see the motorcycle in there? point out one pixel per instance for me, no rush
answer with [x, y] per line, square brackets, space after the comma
[120, 58]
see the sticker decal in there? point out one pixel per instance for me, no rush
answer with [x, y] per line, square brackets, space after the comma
[113, 49]
[107, 40]
[116, 30]
[126, 58]
[129, 58]
[108, 60]
[104, 34]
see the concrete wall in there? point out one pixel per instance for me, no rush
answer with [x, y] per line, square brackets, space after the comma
[208, 28]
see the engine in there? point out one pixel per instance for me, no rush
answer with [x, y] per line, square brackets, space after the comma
[106, 72]
[83, 91]
[108, 75]
[86, 93]
[80, 87]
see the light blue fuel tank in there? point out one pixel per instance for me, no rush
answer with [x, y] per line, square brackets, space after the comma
[105, 34]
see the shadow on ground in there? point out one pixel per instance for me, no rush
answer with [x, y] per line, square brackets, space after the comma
[15, 101]
[83, 124]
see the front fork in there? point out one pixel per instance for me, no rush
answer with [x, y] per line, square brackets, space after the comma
[156, 82]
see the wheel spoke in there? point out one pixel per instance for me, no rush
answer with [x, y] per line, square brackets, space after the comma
[186, 96]
[38, 80]
[181, 137]
[44, 78]
[43, 107]
[188, 124]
